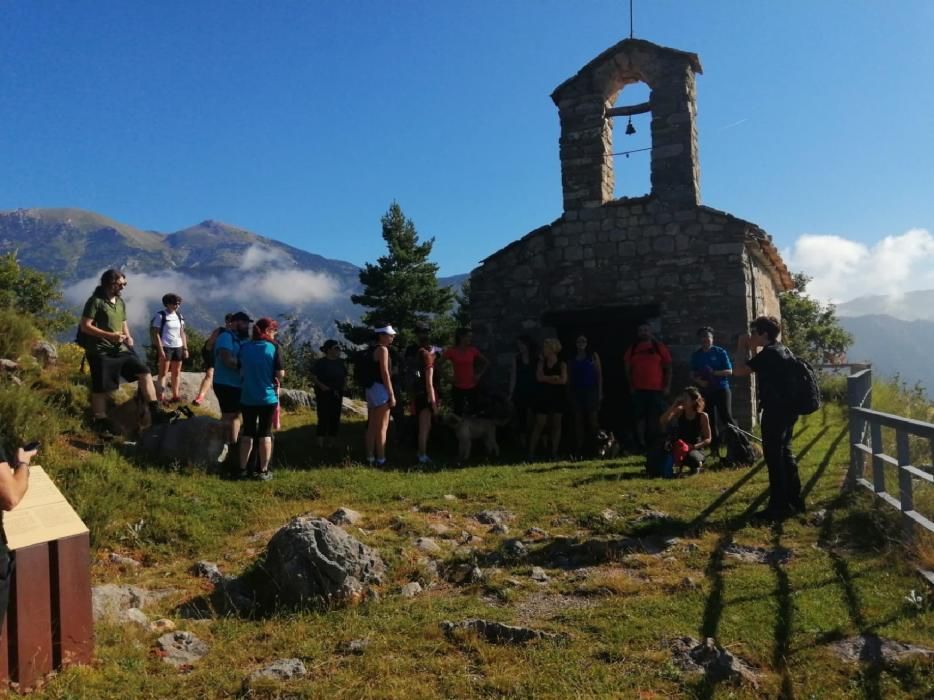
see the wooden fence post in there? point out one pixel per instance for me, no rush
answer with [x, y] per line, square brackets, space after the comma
[905, 483]
[858, 394]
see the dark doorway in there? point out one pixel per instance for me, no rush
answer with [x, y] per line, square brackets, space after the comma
[609, 331]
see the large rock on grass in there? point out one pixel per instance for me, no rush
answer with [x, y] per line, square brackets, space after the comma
[311, 560]
[197, 440]
[294, 399]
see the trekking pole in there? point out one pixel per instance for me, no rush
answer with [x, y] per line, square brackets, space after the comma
[754, 437]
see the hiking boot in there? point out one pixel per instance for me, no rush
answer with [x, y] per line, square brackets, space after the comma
[105, 429]
[772, 514]
[160, 417]
[264, 475]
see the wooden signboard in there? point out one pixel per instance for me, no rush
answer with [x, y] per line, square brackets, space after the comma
[49, 621]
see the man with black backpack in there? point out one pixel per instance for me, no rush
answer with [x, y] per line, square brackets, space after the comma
[105, 336]
[775, 368]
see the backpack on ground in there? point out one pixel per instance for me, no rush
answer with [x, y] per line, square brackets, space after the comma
[803, 388]
[739, 448]
[659, 461]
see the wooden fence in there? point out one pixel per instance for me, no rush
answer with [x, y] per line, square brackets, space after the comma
[866, 440]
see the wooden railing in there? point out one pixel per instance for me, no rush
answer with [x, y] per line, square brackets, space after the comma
[866, 440]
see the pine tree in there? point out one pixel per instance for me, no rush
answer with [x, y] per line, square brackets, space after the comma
[402, 287]
[462, 312]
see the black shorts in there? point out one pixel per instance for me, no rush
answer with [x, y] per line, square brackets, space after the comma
[228, 397]
[551, 400]
[420, 403]
[108, 370]
[174, 354]
[257, 420]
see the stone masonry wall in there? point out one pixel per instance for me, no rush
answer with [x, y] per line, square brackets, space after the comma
[692, 263]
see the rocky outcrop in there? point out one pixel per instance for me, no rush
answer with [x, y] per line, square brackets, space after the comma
[496, 632]
[311, 560]
[872, 649]
[181, 648]
[710, 659]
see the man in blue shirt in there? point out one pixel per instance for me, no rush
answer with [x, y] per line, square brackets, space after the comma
[227, 373]
[711, 370]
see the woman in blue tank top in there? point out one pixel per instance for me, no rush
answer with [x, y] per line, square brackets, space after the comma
[586, 389]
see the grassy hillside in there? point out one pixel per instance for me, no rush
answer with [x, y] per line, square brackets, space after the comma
[845, 576]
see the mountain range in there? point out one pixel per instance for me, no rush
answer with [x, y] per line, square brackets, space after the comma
[895, 333]
[215, 267]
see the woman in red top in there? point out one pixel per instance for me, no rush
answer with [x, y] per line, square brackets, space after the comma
[469, 365]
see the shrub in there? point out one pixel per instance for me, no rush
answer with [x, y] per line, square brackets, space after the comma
[33, 293]
[26, 415]
[19, 334]
[833, 388]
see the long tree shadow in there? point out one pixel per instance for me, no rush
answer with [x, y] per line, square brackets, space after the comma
[825, 462]
[783, 618]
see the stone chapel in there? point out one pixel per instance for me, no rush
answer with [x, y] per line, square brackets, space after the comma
[606, 264]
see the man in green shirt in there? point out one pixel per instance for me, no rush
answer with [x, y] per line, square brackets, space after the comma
[109, 345]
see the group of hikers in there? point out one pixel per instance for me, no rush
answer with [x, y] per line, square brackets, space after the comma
[244, 368]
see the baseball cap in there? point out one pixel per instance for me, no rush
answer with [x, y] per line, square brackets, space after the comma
[385, 330]
[241, 316]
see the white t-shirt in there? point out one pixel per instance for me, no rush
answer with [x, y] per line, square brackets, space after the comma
[172, 331]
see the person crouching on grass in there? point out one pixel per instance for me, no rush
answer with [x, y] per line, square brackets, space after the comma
[167, 331]
[380, 398]
[689, 427]
[261, 375]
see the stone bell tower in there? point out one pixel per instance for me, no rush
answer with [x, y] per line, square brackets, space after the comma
[585, 107]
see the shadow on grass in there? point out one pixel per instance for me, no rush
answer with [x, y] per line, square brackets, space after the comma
[714, 606]
[783, 617]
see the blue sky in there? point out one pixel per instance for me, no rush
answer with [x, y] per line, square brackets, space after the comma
[304, 120]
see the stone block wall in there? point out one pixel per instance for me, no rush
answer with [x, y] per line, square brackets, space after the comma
[693, 263]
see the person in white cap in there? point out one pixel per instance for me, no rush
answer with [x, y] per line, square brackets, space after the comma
[380, 398]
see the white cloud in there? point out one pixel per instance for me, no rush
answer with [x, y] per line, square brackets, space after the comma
[258, 256]
[843, 269]
[293, 286]
[247, 288]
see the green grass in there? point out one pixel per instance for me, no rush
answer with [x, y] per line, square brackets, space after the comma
[848, 575]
